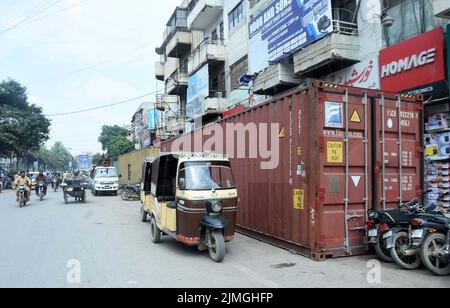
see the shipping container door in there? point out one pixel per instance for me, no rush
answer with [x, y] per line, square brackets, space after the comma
[399, 151]
[343, 191]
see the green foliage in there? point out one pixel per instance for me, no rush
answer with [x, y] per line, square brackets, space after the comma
[114, 141]
[23, 127]
[97, 159]
[57, 158]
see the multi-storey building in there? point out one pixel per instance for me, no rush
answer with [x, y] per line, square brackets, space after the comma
[144, 125]
[276, 44]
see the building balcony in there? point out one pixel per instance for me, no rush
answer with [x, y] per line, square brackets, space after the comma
[202, 13]
[276, 79]
[167, 103]
[177, 81]
[336, 51]
[208, 51]
[176, 123]
[159, 71]
[178, 42]
[212, 106]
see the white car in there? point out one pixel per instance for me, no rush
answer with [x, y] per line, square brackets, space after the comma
[105, 180]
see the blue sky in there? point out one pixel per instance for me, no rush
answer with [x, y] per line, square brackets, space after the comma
[111, 41]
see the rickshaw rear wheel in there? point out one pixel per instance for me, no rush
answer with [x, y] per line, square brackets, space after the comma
[144, 214]
[155, 232]
[217, 248]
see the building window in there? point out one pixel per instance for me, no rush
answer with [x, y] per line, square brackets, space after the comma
[412, 18]
[236, 16]
[236, 71]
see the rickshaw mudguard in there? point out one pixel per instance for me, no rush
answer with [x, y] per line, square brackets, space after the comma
[214, 222]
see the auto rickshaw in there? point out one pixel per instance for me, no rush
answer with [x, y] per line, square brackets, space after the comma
[191, 197]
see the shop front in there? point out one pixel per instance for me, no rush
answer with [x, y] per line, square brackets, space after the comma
[418, 66]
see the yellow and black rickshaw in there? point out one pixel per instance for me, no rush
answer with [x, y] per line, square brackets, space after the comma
[191, 197]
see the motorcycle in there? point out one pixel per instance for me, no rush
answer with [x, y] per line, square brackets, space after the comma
[22, 197]
[55, 184]
[41, 192]
[405, 250]
[382, 225]
[431, 234]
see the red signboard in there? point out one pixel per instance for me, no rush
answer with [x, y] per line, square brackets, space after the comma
[415, 64]
[233, 111]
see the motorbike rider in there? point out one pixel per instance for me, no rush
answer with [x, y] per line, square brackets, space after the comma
[55, 177]
[77, 176]
[26, 182]
[41, 178]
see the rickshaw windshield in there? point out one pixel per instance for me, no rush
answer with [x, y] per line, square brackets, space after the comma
[206, 176]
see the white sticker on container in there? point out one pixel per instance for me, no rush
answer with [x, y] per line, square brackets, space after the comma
[390, 124]
[356, 180]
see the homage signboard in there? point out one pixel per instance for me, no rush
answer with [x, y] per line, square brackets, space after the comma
[284, 27]
[416, 66]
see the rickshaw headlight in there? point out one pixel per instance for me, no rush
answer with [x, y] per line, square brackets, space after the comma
[216, 206]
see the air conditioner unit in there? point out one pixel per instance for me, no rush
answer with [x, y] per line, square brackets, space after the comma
[441, 8]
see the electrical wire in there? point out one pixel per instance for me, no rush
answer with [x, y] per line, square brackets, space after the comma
[35, 13]
[57, 12]
[100, 107]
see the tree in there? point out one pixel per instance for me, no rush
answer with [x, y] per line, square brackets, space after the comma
[108, 132]
[114, 141]
[23, 127]
[97, 159]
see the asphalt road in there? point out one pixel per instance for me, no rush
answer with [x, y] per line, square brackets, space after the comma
[113, 249]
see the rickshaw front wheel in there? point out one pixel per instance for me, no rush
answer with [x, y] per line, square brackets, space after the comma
[217, 247]
[155, 232]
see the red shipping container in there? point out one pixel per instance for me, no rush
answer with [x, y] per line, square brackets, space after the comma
[329, 140]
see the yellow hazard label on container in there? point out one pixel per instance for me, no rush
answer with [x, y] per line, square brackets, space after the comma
[355, 117]
[299, 199]
[335, 152]
[282, 133]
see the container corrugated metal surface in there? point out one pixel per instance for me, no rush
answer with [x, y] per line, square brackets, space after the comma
[330, 171]
[130, 165]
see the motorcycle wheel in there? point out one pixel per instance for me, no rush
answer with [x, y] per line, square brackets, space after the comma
[401, 241]
[383, 253]
[428, 252]
[217, 247]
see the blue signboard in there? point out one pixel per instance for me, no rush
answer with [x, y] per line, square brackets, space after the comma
[286, 26]
[154, 117]
[198, 90]
[84, 162]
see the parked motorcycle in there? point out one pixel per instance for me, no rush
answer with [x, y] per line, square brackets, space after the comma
[383, 225]
[405, 251]
[22, 197]
[431, 235]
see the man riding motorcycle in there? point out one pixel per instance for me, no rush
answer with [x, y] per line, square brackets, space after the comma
[26, 182]
[55, 180]
[41, 178]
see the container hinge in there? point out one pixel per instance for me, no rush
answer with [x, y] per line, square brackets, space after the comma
[320, 195]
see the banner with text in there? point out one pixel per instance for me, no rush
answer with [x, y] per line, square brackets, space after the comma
[284, 27]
